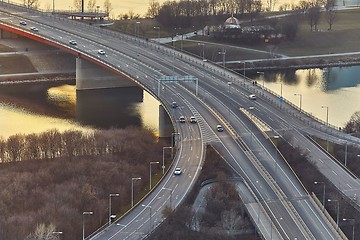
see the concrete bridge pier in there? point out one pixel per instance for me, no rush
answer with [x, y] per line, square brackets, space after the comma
[7, 35]
[91, 76]
[165, 126]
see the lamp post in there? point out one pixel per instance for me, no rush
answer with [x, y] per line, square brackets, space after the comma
[323, 201]
[327, 114]
[203, 50]
[353, 226]
[229, 85]
[83, 220]
[337, 212]
[150, 171]
[173, 142]
[147, 206]
[263, 78]
[53, 6]
[223, 53]
[276, 165]
[136, 29]
[132, 189]
[171, 192]
[111, 195]
[300, 95]
[163, 159]
[346, 150]
[158, 28]
[244, 70]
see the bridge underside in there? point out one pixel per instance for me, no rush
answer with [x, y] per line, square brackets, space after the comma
[6, 34]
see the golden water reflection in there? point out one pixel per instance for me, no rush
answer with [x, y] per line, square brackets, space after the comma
[40, 107]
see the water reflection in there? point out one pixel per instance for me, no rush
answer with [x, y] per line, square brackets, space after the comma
[34, 108]
[336, 87]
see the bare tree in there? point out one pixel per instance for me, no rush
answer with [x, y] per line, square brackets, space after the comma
[270, 5]
[31, 3]
[43, 232]
[314, 17]
[78, 5]
[330, 18]
[108, 7]
[231, 220]
[153, 10]
[14, 147]
[91, 5]
[2, 149]
[353, 125]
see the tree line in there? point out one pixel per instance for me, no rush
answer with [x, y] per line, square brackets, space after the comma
[70, 143]
[48, 194]
[175, 12]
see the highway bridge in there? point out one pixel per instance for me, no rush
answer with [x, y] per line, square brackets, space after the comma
[220, 97]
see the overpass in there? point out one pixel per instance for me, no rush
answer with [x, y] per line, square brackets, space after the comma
[245, 148]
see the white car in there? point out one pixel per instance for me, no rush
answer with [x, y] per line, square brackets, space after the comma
[73, 42]
[34, 29]
[177, 171]
[193, 119]
[219, 128]
[174, 104]
[101, 52]
[252, 96]
[182, 119]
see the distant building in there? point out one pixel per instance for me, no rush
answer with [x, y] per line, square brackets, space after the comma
[231, 30]
[232, 23]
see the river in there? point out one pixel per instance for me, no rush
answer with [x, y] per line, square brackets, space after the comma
[331, 92]
[37, 107]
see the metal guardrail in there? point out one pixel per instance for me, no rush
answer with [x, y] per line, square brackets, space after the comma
[214, 69]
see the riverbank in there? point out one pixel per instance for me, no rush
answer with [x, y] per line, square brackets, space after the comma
[320, 61]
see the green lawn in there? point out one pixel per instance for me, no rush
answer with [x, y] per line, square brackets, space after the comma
[344, 36]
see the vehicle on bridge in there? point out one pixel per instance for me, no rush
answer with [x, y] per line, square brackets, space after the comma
[252, 97]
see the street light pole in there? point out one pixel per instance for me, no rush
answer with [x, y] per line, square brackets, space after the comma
[327, 114]
[223, 53]
[337, 212]
[353, 226]
[173, 142]
[111, 195]
[158, 28]
[171, 192]
[151, 224]
[203, 50]
[323, 192]
[150, 171]
[85, 213]
[300, 95]
[163, 159]
[229, 85]
[263, 79]
[132, 189]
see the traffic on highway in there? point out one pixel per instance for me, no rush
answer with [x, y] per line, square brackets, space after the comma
[210, 113]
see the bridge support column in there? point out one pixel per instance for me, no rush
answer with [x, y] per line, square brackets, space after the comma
[6, 35]
[165, 126]
[91, 76]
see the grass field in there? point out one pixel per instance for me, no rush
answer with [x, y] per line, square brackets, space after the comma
[344, 37]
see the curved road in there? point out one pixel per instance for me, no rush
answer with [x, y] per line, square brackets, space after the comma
[221, 94]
